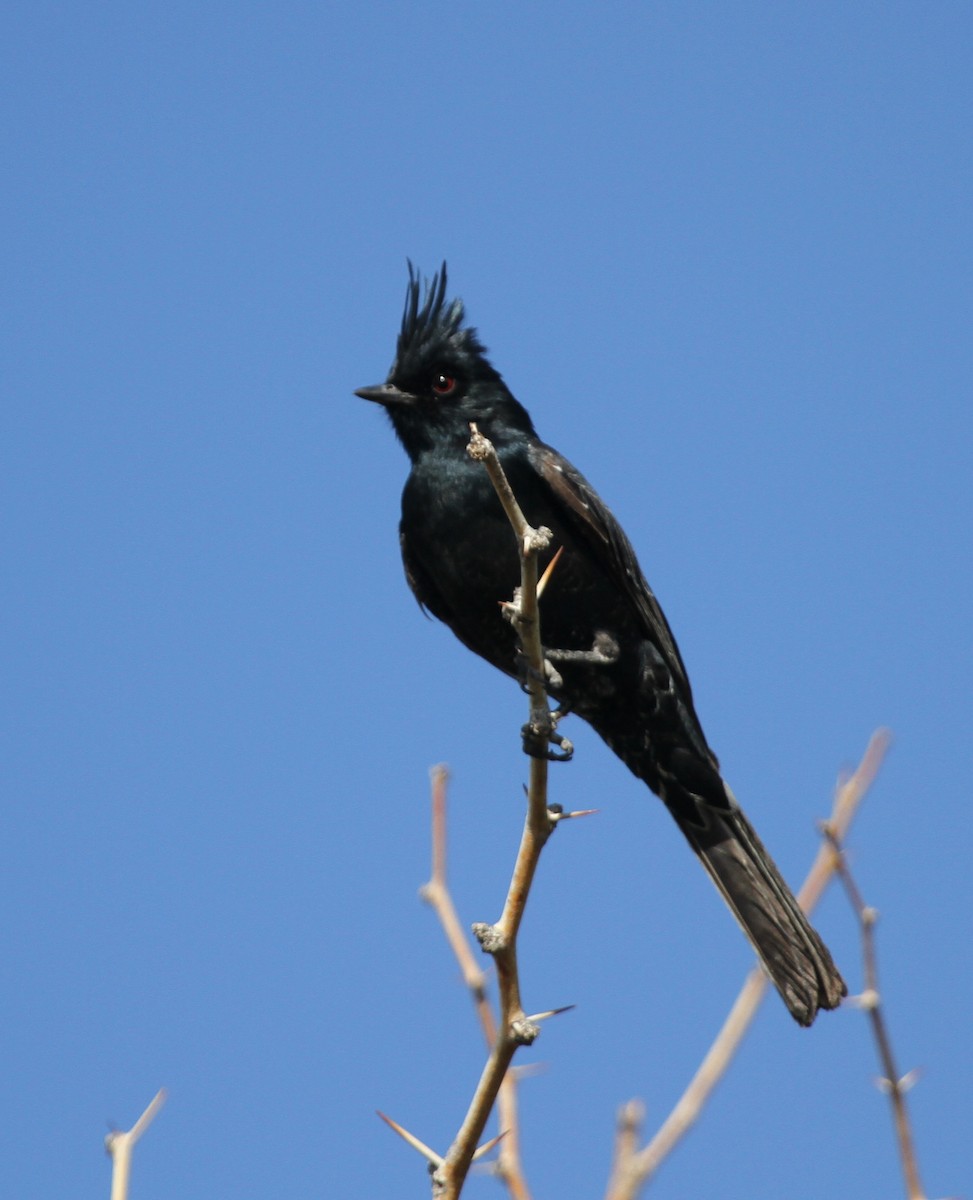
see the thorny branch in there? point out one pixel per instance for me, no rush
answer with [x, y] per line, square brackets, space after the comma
[870, 1000]
[515, 1028]
[436, 893]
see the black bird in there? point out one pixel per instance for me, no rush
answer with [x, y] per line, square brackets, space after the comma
[626, 677]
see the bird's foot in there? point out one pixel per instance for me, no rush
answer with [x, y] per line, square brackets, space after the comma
[527, 674]
[604, 651]
[539, 737]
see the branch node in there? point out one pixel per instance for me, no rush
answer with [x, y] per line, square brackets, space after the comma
[490, 937]
[479, 447]
[536, 540]
[524, 1030]
[631, 1115]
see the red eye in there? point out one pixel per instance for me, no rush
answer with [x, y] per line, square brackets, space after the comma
[443, 384]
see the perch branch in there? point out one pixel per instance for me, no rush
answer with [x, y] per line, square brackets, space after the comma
[515, 1028]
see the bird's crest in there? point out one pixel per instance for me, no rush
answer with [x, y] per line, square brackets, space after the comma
[433, 325]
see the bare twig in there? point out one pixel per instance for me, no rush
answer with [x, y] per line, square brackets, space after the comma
[870, 1000]
[508, 1167]
[628, 1127]
[120, 1144]
[436, 894]
[631, 1171]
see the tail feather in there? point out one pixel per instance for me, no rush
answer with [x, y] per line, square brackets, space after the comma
[793, 955]
[673, 759]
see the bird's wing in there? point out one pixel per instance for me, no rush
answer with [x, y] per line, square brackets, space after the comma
[588, 515]
[421, 583]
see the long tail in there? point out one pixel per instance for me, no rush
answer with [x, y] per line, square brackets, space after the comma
[795, 958]
[663, 744]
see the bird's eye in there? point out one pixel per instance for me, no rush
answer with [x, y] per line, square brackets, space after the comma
[443, 384]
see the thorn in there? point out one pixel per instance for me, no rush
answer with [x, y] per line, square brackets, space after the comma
[910, 1079]
[579, 812]
[868, 1000]
[429, 1155]
[527, 1070]
[884, 1085]
[554, 1012]
[548, 572]
[524, 1031]
[488, 1146]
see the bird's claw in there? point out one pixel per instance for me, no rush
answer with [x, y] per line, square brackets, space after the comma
[538, 741]
[528, 674]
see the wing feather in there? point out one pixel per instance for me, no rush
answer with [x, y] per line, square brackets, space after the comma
[588, 515]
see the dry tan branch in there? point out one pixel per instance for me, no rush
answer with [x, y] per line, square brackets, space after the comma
[871, 1001]
[508, 1167]
[437, 895]
[120, 1144]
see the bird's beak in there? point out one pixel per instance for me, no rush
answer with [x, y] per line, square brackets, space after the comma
[385, 393]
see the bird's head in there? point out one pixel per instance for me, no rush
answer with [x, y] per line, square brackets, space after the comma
[441, 379]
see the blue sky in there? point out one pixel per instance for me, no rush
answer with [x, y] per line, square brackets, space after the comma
[722, 253]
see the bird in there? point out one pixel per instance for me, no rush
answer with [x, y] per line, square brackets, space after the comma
[614, 661]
